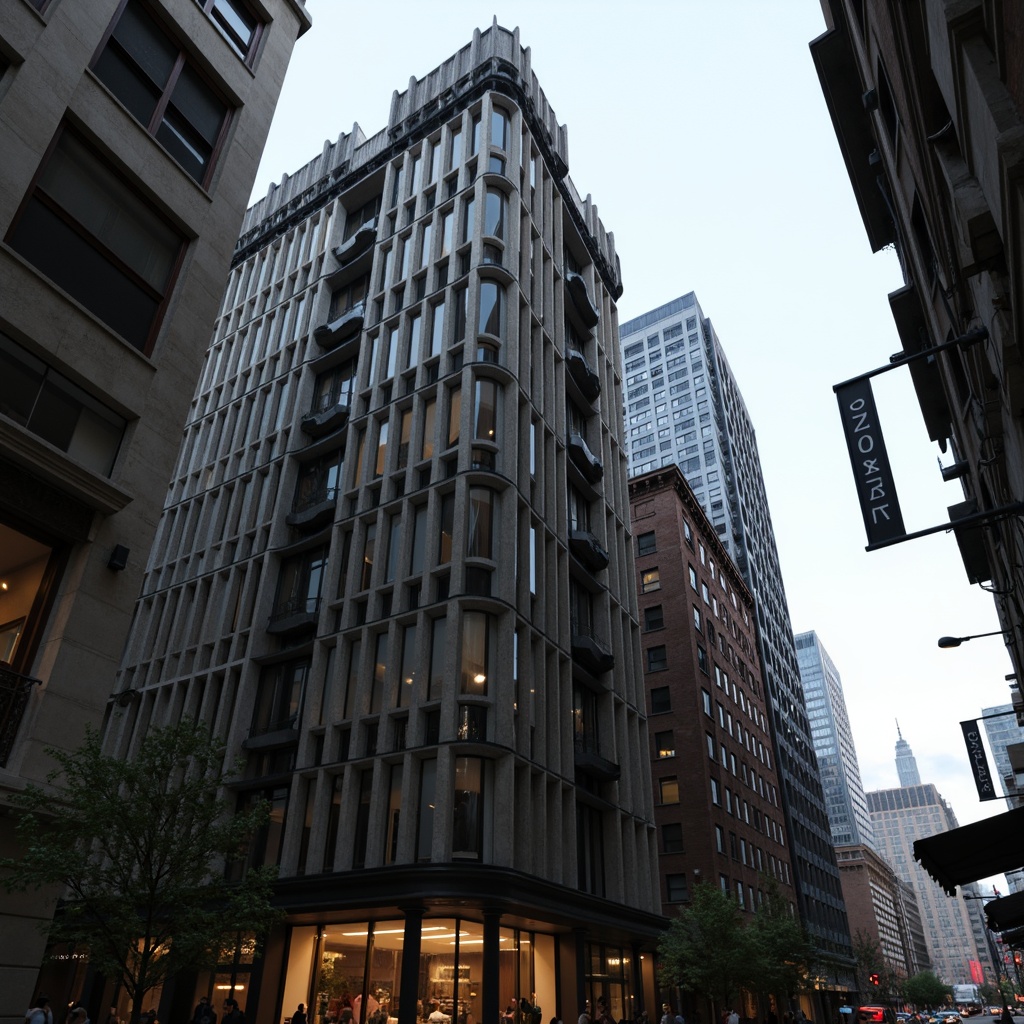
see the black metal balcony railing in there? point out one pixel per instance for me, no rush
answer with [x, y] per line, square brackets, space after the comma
[315, 494]
[588, 759]
[315, 502]
[355, 246]
[294, 614]
[14, 693]
[587, 462]
[591, 649]
[583, 373]
[580, 294]
[586, 547]
[330, 410]
[341, 327]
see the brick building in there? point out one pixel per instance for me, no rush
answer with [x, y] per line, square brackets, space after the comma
[716, 791]
[882, 910]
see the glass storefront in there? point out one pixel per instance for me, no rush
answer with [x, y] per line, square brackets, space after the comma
[350, 973]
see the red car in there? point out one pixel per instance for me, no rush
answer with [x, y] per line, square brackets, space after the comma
[875, 1015]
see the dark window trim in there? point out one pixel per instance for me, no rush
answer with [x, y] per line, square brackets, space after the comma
[116, 170]
[246, 56]
[173, 34]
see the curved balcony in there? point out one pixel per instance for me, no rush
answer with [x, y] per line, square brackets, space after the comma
[583, 458]
[583, 373]
[591, 650]
[364, 237]
[587, 760]
[295, 615]
[330, 412]
[314, 509]
[578, 292]
[584, 545]
[347, 325]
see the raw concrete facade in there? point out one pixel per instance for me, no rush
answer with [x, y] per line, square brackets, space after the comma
[118, 223]
[393, 570]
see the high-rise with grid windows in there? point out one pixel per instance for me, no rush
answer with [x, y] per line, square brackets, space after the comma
[683, 405]
[393, 570]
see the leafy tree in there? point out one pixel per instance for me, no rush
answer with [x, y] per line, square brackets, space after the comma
[139, 845]
[706, 949]
[868, 954]
[781, 955]
[925, 989]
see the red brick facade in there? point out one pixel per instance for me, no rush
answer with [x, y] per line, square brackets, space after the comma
[716, 796]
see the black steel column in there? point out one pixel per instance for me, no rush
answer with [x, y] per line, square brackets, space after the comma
[491, 1003]
[410, 979]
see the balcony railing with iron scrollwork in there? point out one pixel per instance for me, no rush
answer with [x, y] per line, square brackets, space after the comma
[14, 694]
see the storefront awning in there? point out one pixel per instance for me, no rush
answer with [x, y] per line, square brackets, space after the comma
[979, 850]
[1006, 912]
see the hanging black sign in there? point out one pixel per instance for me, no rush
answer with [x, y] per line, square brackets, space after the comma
[979, 761]
[876, 489]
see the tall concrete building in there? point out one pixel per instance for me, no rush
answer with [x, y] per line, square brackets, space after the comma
[1004, 731]
[833, 745]
[882, 909]
[394, 571]
[683, 406]
[131, 131]
[900, 816]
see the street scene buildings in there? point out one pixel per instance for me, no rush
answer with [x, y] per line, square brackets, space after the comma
[480, 588]
[899, 817]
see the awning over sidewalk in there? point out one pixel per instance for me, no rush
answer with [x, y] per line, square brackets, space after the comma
[1006, 912]
[974, 851]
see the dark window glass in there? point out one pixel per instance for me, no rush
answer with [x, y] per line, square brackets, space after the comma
[654, 617]
[660, 700]
[47, 403]
[492, 301]
[92, 236]
[657, 659]
[279, 698]
[675, 889]
[468, 813]
[236, 22]
[672, 837]
[147, 71]
[665, 744]
[494, 213]
[645, 544]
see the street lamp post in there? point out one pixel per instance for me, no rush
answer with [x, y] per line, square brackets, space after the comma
[946, 642]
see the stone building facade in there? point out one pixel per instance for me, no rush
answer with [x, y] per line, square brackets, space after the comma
[393, 571]
[131, 131]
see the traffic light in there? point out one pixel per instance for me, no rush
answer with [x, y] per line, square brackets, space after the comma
[874, 979]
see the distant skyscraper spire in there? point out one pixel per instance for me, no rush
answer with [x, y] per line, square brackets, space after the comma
[906, 764]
